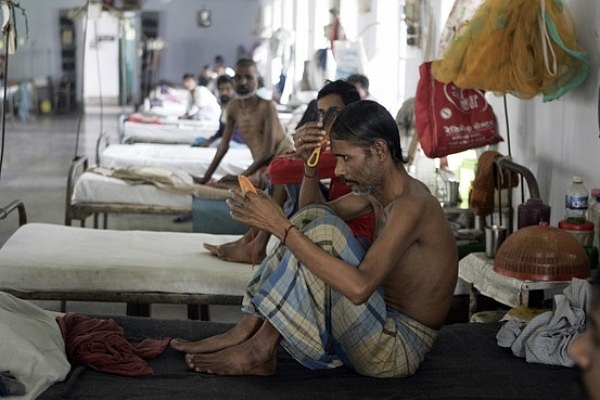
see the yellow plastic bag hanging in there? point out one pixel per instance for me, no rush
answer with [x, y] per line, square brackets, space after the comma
[521, 47]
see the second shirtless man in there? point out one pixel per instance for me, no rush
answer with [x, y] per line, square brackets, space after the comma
[258, 124]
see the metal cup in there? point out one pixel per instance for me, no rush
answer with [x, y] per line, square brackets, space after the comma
[494, 237]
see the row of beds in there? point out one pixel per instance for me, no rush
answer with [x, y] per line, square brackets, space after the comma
[136, 267]
[66, 263]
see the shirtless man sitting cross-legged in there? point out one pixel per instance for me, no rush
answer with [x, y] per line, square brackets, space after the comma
[327, 300]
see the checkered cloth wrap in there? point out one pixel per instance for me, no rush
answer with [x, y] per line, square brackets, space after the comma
[323, 329]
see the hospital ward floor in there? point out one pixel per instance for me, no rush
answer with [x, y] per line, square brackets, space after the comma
[37, 154]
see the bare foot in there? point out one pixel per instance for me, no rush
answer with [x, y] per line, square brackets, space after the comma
[238, 334]
[244, 359]
[243, 250]
[214, 249]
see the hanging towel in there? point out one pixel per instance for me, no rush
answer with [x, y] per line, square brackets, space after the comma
[486, 181]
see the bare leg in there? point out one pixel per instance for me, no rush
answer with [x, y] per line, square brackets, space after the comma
[245, 239]
[252, 247]
[251, 252]
[238, 334]
[255, 356]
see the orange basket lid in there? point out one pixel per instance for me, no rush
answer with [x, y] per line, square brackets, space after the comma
[542, 253]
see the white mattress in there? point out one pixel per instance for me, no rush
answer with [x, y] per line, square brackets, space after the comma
[94, 188]
[173, 101]
[47, 257]
[193, 160]
[182, 131]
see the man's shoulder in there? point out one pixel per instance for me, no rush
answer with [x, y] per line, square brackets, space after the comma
[267, 102]
[417, 200]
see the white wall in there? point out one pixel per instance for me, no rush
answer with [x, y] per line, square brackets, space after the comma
[559, 139]
[102, 60]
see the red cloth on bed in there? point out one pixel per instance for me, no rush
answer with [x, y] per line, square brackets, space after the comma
[100, 344]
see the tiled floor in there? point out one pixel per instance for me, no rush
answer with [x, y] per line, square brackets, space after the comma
[36, 159]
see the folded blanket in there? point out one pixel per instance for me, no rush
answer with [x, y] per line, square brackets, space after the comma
[165, 178]
[101, 345]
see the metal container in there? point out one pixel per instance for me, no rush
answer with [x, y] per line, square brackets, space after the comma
[494, 237]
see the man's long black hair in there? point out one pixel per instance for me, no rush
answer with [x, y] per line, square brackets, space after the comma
[363, 122]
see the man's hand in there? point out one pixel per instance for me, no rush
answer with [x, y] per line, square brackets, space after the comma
[258, 210]
[307, 138]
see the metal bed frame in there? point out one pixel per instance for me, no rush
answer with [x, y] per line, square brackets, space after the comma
[138, 303]
[81, 211]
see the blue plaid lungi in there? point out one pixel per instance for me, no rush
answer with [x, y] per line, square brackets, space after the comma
[321, 328]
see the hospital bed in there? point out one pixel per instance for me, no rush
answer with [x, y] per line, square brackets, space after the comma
[138, 128]
[91, 194]
[42, 261]
[193, 160]
[55, 262]
[464, 363]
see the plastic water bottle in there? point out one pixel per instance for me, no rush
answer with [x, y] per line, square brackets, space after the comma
[576, 201]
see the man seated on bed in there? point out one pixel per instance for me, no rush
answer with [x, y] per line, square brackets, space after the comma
[226, 93]
[202, 104]
[285, 175]
[258, 124]
[325, 298]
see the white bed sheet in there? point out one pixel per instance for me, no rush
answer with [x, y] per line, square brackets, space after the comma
[182, 132]
[173, 101]
[47, 257]
[193, 160]
[95, 188]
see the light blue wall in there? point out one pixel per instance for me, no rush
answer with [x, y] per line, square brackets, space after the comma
[188, 46]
